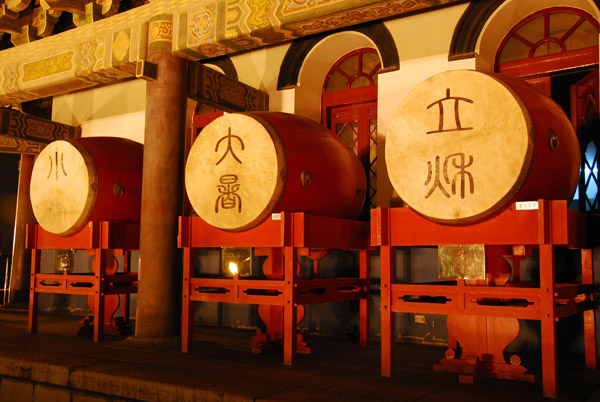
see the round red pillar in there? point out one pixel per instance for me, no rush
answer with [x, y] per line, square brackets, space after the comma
[19, 278]
[159, 291]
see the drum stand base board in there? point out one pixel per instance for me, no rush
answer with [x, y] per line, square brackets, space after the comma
[471, 370]
[262, 342]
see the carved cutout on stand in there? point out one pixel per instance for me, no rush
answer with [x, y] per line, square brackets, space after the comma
[272, 316]
[112, 325]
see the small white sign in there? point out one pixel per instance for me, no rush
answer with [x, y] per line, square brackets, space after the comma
[276, 217]
[527, 205]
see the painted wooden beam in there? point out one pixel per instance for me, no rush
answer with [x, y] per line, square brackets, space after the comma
[209, 86]
[107, 50]
[26, 134]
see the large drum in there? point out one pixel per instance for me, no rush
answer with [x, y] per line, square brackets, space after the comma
[245, 166]
[86, 179]
[465, 144]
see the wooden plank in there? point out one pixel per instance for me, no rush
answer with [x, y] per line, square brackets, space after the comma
[332, 233]
[388, 333]
[510, 227]
[270, 233]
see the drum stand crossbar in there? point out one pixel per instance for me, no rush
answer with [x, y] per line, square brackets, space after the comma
[286, 235]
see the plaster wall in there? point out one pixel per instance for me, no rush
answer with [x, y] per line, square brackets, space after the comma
[115, 111]
[260, 69]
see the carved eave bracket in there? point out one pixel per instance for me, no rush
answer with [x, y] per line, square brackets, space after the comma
[76, 7]
[44, 21]
[26, 24]
[22, 133]
[209, 86]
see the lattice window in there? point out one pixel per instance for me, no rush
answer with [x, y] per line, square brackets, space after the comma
[586, 121]
[553, 49]
[350, 109]
[549, 40]
[589, 179]
[356, 69]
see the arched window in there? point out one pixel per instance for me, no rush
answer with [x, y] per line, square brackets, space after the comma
[556, 49]
[550, 40]
[349, 109]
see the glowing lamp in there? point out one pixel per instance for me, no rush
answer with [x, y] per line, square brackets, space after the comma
[64, 260]
[236, 261]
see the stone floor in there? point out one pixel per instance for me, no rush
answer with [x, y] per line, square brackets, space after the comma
[221, 368]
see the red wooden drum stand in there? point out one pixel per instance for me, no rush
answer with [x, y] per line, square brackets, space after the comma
[104, 240]
[287, 235]
[484, 319]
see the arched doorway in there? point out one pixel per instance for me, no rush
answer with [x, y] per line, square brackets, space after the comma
[556, 49]
[349, 110]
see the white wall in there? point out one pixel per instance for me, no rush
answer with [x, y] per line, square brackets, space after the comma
[260, 69]
[115, 111]
[423, 43]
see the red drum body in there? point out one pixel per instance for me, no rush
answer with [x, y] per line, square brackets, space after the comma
[463, 145]
[245, 166]
[554, 167]
[86, 179]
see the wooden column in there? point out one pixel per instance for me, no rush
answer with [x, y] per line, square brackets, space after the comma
[20, 269]
[159, 292]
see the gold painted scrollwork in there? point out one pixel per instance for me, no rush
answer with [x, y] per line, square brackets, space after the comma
[109, 7]
[17, 5]
[9, 22]
[27, 34]
[44, 21]
[76, 7]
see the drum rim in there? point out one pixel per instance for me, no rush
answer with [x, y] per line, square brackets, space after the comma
[281, 180]
[520, 180]
[90, 202]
